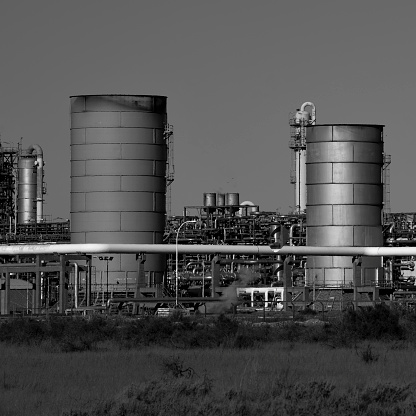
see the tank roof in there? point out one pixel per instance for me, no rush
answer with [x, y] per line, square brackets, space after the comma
[117, 95]
[348, 124]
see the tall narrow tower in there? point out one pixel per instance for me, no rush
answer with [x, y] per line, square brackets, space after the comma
[298, 123]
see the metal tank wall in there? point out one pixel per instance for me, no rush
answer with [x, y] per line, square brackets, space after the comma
[344, 200]
[232, 198]
[118, 178]
[210, 199]
[220, 200]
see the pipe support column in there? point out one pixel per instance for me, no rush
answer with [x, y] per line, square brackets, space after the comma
[38, 288]
[62, 284]
[215, 270]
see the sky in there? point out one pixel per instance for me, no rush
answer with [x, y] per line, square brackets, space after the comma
[233, 71]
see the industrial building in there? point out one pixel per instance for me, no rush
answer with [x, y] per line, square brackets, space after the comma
[123, 248]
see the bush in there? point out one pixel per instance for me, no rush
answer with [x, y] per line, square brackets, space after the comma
[377, 323]
[174, 367]
[70, 334]
[80, 334]
[307, 312]
[23, 331]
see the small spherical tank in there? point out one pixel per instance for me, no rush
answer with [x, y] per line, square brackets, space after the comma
[246, 208]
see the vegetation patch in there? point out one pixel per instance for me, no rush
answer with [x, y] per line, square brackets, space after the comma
[179, 332]
[192, 395]
[215, 366]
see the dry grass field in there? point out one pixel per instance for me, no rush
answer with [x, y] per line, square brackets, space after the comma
[297, 370]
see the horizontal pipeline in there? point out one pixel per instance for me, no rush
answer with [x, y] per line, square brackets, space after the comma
[93, 248]
[96, 248]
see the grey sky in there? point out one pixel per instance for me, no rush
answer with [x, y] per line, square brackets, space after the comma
[232, 71]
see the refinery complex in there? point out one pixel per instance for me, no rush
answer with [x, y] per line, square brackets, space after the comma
[122, 251]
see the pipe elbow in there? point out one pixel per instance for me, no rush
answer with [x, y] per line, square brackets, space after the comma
[313, 113]
[306, 104]
[35, 148]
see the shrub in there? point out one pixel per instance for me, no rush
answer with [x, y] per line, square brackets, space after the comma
[307, 311]
[367, 354]
[22, 331]
[174, 367]
[378, 323]
[290, 332]
[225, 325]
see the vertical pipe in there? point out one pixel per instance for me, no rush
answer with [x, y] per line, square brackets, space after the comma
[107, 294]
[76, 283]
[62, 288]
[38, 287]
[102, 288]
[88, 282]
[6, 304]
[215, 272]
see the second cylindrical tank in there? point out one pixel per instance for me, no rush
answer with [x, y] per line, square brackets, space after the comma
[344, 199]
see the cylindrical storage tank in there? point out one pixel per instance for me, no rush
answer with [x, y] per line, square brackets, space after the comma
[344, 200]
[220, 200]
[232, 199]
[118, 178]
[210, 199]
[26, 190]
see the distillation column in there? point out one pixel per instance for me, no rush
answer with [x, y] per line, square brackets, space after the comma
[30, 185]
[298, 124]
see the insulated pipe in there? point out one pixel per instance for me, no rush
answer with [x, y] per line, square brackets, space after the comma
[92, 248]
[34, 148]
[99, 248]
[347, 251]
